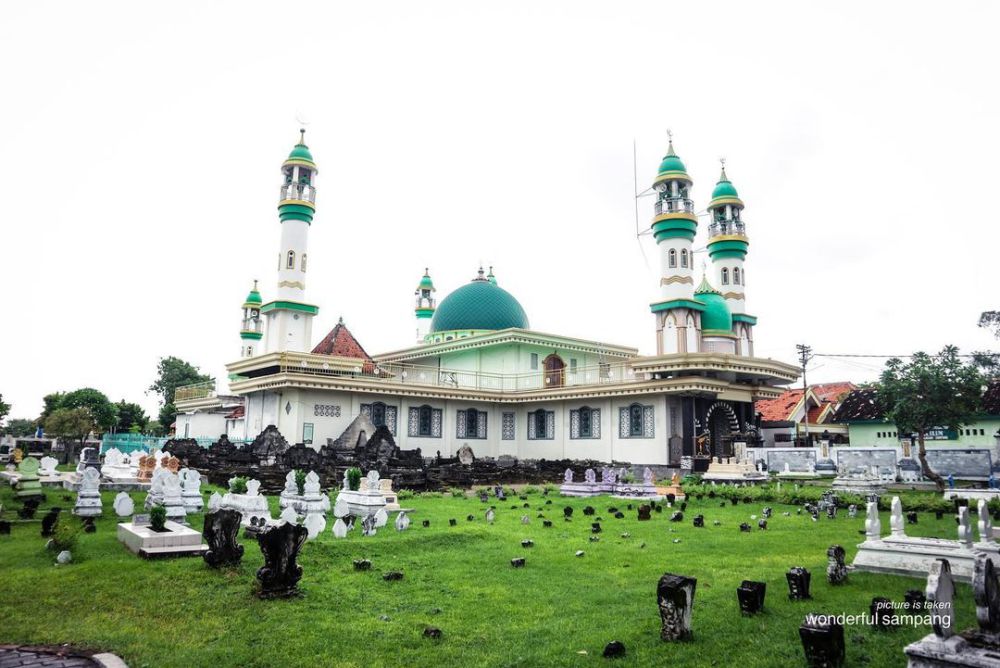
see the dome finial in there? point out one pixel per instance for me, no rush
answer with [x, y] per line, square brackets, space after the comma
[670, 143]
[482, 274]
[723, 177]
[255, 284]
[302, 136]
[490, 277]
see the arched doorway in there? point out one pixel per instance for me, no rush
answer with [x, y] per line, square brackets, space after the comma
[722, 423]
[555, 374]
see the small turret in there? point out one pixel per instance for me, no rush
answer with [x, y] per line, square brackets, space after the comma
[251, 330]
[426, 304]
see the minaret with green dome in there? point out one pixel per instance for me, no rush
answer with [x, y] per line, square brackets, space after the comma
[289, 316]
[727, 248]
[674, 226]
[251, 331]
[426, 303]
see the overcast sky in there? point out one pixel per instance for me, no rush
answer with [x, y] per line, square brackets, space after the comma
[140, 148]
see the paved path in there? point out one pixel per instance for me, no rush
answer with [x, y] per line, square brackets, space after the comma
[14, 656]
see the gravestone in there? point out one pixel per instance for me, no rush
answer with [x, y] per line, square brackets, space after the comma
[762, 524]
[962, 464]
[402, 521]
[368, 527]
[490, 516]
[340, 528]
[588, 510]
[792, 461]
[677, 516]
[315, 524]
[280, 574]
[28, 485]
[49, 522]
[644, 513]
[798, 583]
[614, 650]
[517, 562]
[191, 491]
[392, 576]
[88, 498]
[527, 543]
[568, 512]
[866, 458]
[173, 500]
[699, 521]
[214, 502]
[425, 523]
[823, 641]
[220, 531]
[836, 569]
[362, 565]
[911, 517]
[750, 595]
[595, 527]
[744, 527]
[465, 456]
[123, 505]
[4, 528]
[47, 466]
[675, 597]
[852, 511]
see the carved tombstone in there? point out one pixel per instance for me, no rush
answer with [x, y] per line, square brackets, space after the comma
[402, 521]
[675, 597]
[823, 641]
[964, 527]
[896, 518]
[220, 532]
[940, 596]
[873, 525]
[750, 595]
[568, 476]
[280, 574]
[836, 569]
[985, 523]
[798, 583]
[986, 591]
[590, 476]
[123, 505]
[465, 455]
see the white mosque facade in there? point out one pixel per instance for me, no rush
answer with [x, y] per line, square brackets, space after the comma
[478, 375]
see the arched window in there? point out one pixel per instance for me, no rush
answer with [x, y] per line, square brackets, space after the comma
[736, 275]
[249, 351]
[635, 420]
[725, 276]
[672, 258]
[304, 255]
[684, 257]
[290, 263]
[586, 422]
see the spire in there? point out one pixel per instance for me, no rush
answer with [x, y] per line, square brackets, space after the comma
[722, 177]
[490, 277]
[705, 287]
[670, 144]
[481, 276]
[302, 137]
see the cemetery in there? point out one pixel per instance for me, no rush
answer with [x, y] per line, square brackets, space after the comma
[315, 568]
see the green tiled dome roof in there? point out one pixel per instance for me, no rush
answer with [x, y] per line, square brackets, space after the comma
[716, 315]
[724, 188]
[480, 305]
[671, 163]
[253, 299]
[300, 152]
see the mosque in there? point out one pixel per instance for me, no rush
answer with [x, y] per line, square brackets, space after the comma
[478, 375]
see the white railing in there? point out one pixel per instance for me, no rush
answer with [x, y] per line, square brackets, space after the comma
[473, 380]
[673, 205]
[726, 227]
[299, 191]
[252, 325]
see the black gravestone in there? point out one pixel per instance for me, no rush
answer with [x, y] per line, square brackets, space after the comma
[614, 650]
[518, 562]
[280, 574]
[798, 583]
[4, 528]
[425, 523]
[822, 641]
[49, 522]
[750, 594]
[568, 511]
[677, 516]
[588, 510]
[699, 521]
[595, 527]
[836, 569]
[220, 531]
[675, 597]
[644, 513]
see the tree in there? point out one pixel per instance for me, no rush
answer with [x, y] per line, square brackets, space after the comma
[153, 428]
[990, 320]
[52, 402]
[131, 417]
[101, 409]
[20, 427]
[4, 410]
[73, 423]
[171, 373]
[928, 392]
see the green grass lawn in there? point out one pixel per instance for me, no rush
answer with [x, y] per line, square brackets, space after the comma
[559, 610]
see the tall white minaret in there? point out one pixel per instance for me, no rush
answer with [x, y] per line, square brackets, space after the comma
[674, 226]
[289, 317]
[251, 331]
[426, 303]
[727, 247]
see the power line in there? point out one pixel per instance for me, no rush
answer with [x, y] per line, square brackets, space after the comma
[909, 355]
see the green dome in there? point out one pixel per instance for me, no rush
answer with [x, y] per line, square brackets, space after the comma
[253, 299]
[724, 188]
[301, 151]
[671, 163]
[716, 316]
[480, 305]
[425, 282]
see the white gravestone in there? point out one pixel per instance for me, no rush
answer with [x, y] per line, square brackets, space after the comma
[48, 466]
[896, 518]
[339, 529]
[88, 499]
[985, 523]
[402, 521]
[381, 518]
[124, 506]
[289, 516]
[214, 502]
[155, 495]
[315, 524]
[873, 525]
[193, 501]
[173, 499]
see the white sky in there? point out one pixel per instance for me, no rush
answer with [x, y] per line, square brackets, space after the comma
[140, 152]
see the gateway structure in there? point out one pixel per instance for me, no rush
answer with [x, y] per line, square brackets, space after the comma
[478, 375]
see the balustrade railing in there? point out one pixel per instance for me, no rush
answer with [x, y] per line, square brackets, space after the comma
[299, 191]
[719, 228]
[673, 205]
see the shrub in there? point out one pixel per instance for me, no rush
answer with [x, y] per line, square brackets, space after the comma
[431, 495]
[300, 481]
[550, 487]
[530, 489]
[158, 517]
[629, 477]
[457, 492]
[64, 536]
[354, 478]
[238, 485]
[404, 494]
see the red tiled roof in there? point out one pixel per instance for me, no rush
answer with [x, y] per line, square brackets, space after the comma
[236, 413]
[778, 410]
[341, 343]
[832, 392]
[815, 411]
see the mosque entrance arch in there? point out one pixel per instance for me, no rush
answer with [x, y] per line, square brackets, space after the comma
[722, 423]
[555, 371]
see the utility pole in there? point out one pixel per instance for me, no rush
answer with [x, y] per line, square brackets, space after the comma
[805, 354]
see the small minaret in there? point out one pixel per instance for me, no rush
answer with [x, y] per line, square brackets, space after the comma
[289, 317]
[426, 303]
[727, 248]
[251, 331]
[674, 226]
[490, 277]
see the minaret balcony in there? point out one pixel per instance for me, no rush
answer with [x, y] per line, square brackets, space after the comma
[252, 325]
[726, 227]
[673, 205]
[301, 192]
